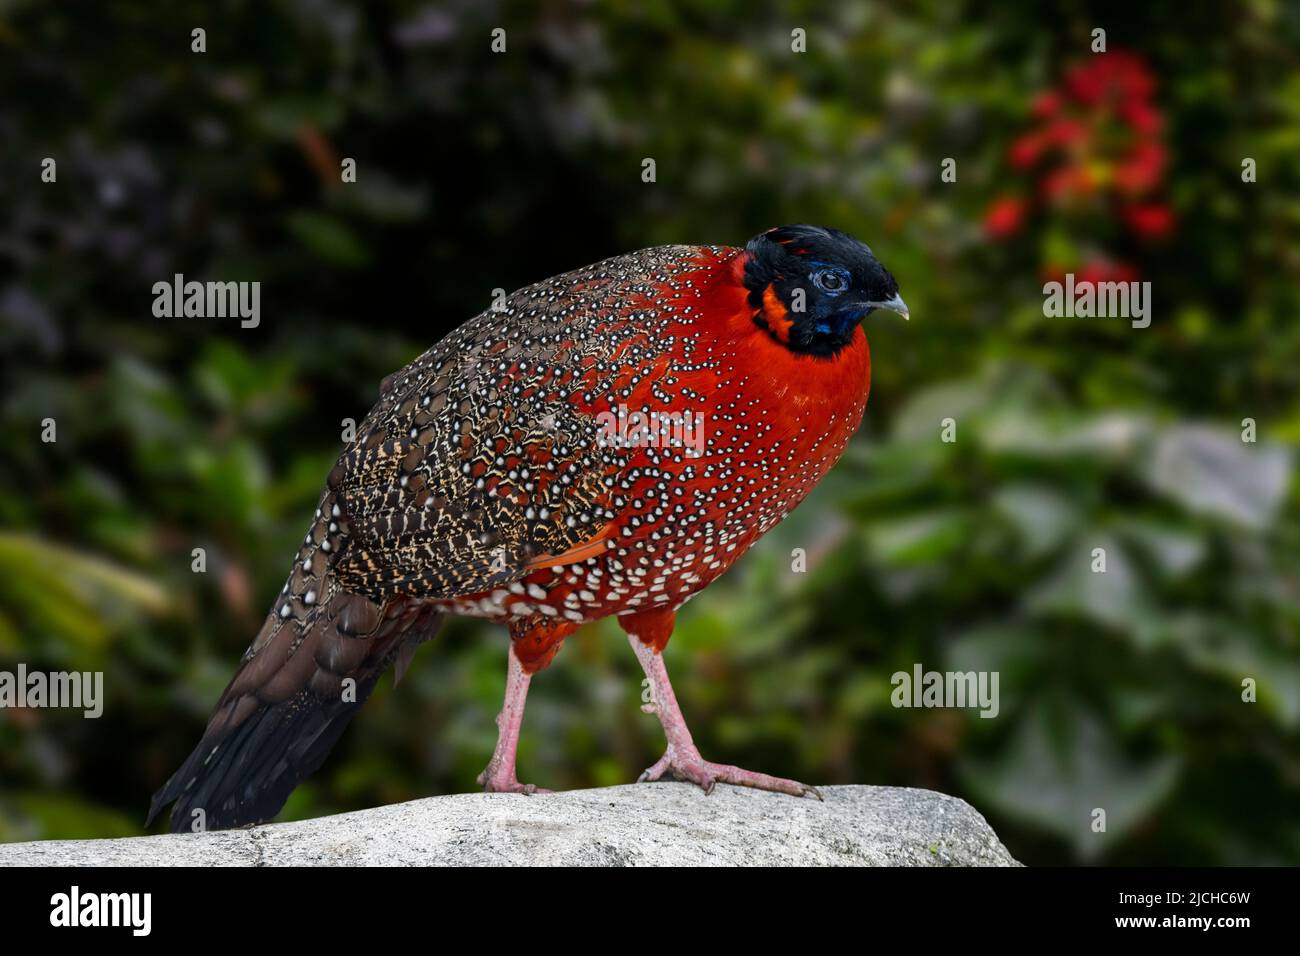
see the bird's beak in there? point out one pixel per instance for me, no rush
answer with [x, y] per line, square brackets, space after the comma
[896, 304]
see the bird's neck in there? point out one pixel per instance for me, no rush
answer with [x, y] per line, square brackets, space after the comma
[798, 393]
[837, 383]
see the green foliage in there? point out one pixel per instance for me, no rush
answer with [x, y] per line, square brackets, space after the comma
[1119, 690]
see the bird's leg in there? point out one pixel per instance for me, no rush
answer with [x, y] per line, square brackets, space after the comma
[499, 775]
[682, 759]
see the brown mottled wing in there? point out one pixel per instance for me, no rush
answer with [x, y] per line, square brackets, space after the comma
[475, 461]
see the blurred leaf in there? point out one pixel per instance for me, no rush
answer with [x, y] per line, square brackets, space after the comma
[1213, 472]
[1114, 597]
[1060, 766]
[328, 238]
[1175, 551]
[1042, 517]
[42, 816]
[919, 539]
[67, 591]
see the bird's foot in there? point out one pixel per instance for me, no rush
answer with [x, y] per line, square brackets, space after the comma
[687, 764]
[495, 780]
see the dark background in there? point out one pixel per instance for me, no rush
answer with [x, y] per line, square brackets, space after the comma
[478, 170]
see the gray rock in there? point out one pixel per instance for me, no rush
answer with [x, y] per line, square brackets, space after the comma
[638, 825]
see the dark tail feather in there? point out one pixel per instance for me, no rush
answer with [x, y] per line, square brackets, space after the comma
[286, 708]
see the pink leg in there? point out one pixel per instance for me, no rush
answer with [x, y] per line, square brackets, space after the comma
[499, 775]
[682, 760]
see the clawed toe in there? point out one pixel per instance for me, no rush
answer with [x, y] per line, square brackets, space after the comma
[692, 768]
[527, 789]
[506, 783]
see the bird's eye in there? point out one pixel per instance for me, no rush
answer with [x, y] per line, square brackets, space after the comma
[831, 280]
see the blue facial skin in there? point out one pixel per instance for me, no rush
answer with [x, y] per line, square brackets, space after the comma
[831, 282]
[827, 280]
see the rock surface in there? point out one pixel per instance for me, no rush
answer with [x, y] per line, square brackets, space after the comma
[646, 824]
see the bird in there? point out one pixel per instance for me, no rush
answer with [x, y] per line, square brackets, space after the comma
[606, 442]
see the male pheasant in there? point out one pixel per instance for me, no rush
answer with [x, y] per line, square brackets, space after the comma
[487, 481]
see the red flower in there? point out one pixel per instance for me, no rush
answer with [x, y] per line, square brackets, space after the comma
[1104, 270]
[1140, 171]
[1025, 150]
[1097, 136]
[1085, 84]
[1151, 221]
[1066, 132]
[1129, 76]
[1005, 217]
[1068, 182]
[1108, 76]
[1047, 104]
[1142, 116]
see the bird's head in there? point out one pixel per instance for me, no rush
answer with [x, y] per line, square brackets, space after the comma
[810, 287]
